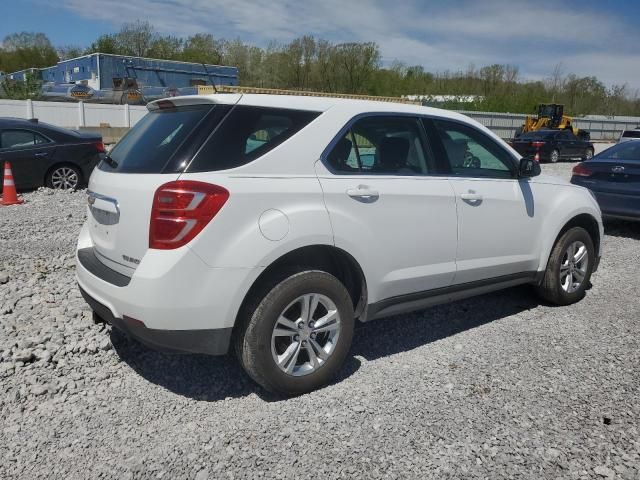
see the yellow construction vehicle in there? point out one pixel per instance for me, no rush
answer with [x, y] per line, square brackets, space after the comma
[550, 115]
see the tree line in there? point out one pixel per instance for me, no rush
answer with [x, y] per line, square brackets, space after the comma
[309, 63]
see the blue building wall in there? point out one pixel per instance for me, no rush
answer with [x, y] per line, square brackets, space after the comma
[21, 74]
[99, 70]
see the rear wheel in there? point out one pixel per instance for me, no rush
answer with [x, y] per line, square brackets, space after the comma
[296, 335]
[555, 156]
[588, 154]
[64, 177]
[569, 268]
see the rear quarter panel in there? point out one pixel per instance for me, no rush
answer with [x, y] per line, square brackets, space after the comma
[264, 218]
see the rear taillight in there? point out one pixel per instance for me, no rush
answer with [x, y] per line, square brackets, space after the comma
[180, 211]
[581, 170]
[99, 147]
[537, 144]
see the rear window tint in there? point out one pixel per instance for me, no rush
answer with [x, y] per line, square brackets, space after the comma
[622, 151]
[631, 134]
[246, 134]
[534, 135]
[155, 139]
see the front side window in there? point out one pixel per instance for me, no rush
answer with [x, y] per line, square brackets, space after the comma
[247, 134]
[381, 145]
[21, 139]
[470, 153]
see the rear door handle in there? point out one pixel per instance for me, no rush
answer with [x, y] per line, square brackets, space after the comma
[471, 197]
[41, 154]
[363, 193]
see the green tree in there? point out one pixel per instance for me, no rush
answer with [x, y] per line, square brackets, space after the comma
[104, 44]
[22, 90]
[26, 50]
[202, 48]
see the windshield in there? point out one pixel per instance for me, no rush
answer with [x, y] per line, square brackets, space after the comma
[154, 140]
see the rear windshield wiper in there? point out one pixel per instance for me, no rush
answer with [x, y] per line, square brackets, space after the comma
[110, 161]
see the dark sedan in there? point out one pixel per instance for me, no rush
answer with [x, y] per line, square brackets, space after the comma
[614, 178]
[552, 145]
[42, 154]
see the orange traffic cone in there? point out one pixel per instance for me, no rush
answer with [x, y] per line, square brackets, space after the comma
[9, 194]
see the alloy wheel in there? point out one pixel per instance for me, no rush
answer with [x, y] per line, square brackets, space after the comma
[573, 268]
[64, 178]
[305, 334]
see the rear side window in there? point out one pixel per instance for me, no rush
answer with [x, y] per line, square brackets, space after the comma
[246, 134]
[631, 134]
[20, 139]
[155, 139]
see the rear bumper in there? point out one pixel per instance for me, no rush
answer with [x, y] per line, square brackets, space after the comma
[210, 342]
[173, 301]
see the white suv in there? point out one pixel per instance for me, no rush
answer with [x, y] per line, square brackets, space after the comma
[272, 223]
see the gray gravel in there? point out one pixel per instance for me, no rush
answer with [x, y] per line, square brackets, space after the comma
[493, 387]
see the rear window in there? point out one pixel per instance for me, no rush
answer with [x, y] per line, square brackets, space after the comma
[154, 141]
[246, 134]
[622, 151]
[631, 134]
[534, 135]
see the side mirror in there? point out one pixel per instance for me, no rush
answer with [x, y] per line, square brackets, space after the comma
[528, 168]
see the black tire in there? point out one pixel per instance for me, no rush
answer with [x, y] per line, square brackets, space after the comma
[555, 159]
[588, 154]
[259, 316]
[53, 176]
[550, 289]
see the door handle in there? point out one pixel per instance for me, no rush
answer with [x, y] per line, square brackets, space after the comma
[41, 154]
[471, 197]
[363, 193]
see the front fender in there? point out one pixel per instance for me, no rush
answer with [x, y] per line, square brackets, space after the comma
[569, 204]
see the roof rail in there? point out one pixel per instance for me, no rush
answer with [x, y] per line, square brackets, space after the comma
[209, 89]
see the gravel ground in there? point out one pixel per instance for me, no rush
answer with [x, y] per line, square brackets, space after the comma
[493, 387]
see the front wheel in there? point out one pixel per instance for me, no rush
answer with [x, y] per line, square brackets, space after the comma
[569, 268]
[588, 154]
[555, 156]
[64, 177]
[296, 334]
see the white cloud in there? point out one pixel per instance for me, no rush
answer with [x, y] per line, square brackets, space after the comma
[439, 35]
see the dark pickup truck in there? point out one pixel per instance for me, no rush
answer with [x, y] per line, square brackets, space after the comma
[552, 145]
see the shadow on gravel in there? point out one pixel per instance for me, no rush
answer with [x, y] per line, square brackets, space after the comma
[200, 377]
[211, 379]
[401, 333]
[621, 228]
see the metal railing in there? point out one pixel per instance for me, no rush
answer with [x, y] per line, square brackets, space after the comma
[506, 124]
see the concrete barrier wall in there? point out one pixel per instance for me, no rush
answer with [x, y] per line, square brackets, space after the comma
[77, 115]
[74, 114]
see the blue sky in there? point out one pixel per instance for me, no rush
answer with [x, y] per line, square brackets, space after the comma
[587, 37]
